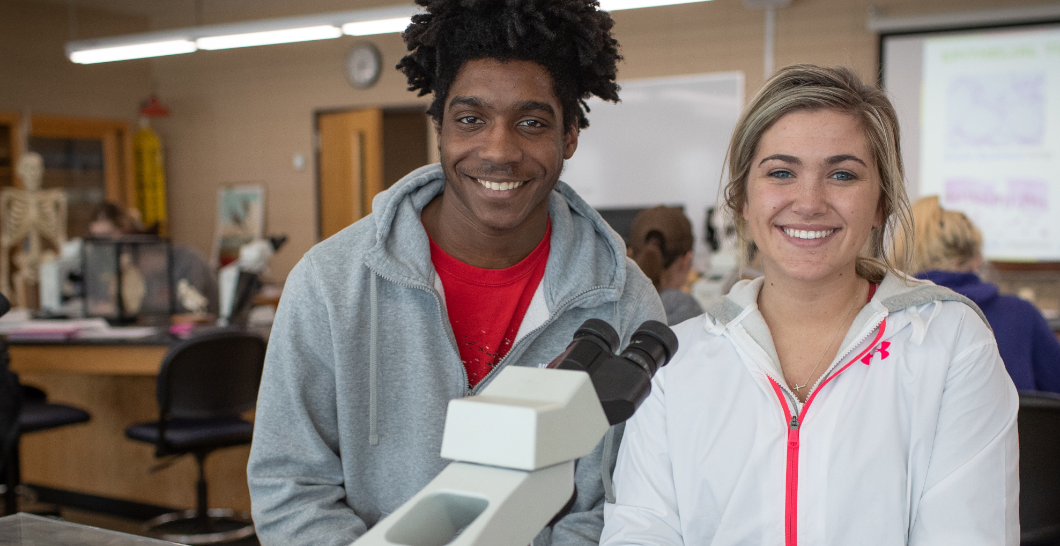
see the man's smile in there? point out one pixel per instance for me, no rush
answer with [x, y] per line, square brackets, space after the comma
[499, 186]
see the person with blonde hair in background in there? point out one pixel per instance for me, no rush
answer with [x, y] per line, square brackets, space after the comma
[660, 241]
[833, 400]
[947, 250]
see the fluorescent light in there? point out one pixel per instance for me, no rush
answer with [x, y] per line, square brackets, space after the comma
[615, 5]
[380, 26]
[324, 26]
[283, 36]
[132, 51]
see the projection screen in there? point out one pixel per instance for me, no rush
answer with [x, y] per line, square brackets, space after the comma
[980, 117]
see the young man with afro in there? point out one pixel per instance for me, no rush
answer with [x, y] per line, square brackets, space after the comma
[484, 261]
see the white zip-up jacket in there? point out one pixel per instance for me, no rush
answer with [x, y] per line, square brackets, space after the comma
[909, 437]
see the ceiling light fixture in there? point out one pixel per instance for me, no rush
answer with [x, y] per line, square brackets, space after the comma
[251, 33]
[381, 26]
[269, 37]
[363, 22]
[615, 5]
[131, 51]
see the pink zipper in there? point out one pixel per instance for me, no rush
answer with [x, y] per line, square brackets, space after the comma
[794, 422]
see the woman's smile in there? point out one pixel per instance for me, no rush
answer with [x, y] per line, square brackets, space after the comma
[807, 234]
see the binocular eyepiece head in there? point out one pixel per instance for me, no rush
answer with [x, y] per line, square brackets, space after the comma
[622, 381]
[651, 346]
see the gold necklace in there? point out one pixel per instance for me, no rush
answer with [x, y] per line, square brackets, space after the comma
[806, 383]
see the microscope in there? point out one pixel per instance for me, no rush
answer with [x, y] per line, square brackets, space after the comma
[514, 446]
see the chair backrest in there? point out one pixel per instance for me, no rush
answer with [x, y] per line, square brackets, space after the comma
[10, 404]
[1039, 432]
[10, 397]
[211, 375]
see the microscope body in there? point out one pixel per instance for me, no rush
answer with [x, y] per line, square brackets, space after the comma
[513, 448]
[515, 444]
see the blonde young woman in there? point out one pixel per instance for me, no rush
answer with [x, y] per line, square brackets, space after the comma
[832, 401]
[947, 250]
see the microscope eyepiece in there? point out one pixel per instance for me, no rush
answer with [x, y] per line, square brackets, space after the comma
[602, 331]
[593, 343]
[651, 346]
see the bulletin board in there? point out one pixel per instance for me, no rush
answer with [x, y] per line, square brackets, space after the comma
[240, 220]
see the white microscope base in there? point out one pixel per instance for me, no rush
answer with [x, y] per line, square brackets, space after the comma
[476, 505]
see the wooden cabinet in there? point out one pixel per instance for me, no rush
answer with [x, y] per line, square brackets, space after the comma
[8, 150]
[90, 159]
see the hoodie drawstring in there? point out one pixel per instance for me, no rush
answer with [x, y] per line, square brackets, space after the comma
[919, 325]
[605, 470]
[373, 357]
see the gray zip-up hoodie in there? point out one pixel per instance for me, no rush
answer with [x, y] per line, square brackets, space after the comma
[362, 363]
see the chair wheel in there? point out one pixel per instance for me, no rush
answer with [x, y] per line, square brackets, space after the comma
[219, 526]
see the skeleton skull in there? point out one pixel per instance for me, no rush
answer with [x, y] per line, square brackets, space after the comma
[31, 170]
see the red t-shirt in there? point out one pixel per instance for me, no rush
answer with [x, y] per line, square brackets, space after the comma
[486, 306]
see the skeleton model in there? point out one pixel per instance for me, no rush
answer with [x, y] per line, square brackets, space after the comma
[30, 217]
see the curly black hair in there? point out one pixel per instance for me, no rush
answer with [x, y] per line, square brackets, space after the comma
[570, 38]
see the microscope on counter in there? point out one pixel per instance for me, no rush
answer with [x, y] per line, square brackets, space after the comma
[240, 281]
[514, 445]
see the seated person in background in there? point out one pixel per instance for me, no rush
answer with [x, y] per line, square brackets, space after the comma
[111, 220]
[833, 400]
[660, 241]
[947, 250]
[462, 269]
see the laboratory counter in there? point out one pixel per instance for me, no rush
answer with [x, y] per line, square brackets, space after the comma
[114, 380]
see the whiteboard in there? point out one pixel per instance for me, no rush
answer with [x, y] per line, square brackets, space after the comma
[664, 144]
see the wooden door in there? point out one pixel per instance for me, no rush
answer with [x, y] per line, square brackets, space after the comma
[350, 167]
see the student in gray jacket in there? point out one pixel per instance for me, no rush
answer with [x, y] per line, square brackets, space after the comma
[463, 268]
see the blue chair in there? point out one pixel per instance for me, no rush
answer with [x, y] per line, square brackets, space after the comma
[205, 384]
[1039, 432]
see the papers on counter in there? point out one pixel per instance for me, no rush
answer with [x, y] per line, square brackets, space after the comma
[58, 330]
[119, 332]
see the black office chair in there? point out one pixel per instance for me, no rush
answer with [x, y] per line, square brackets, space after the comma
[36, 414]
[10, 406]
[23, 410]
[1039, 431]
[205, 384]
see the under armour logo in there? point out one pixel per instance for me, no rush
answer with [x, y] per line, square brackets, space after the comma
[881, 348]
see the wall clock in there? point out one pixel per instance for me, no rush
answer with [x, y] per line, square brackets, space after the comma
[363, 65]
